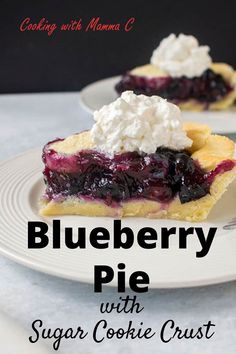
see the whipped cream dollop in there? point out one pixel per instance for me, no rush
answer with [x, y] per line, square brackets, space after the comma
[138, 123]
[181, 56]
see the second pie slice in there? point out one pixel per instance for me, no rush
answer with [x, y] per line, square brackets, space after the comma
[182, 71]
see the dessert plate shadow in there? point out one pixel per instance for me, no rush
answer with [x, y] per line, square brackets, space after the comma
[21, 186]
[99, 93]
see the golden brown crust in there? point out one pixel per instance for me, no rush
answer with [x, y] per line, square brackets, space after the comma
[216, 149]
[208, 149]
[78, 206]
[74, 143]
[224, 70]
[198, 133]
[148, 70]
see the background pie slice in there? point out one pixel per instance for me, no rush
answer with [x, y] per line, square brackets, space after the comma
[214, 90]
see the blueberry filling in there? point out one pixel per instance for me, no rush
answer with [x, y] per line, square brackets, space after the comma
[207, 88]
[159, 176]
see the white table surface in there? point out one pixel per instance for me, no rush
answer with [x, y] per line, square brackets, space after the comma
[29, 121]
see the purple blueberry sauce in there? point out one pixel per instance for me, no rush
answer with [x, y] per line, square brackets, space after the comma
[207, 88]
[159, 176]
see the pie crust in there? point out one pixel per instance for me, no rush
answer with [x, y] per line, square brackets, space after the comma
[208, 149]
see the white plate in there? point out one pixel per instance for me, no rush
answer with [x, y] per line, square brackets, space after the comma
[21, 185]
[102, 92]
[14, 338]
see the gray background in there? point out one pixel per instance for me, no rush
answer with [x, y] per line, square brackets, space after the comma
[25, 295]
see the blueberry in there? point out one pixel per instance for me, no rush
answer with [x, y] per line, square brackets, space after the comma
[159, 176]
[209, 87]
[191, 192]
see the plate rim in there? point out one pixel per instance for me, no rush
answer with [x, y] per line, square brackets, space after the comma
[85, 88]
[42, 267]
[218, 130]
[48, 270]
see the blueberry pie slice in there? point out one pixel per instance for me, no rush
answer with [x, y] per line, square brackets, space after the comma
[183, 72]
[138, 160]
